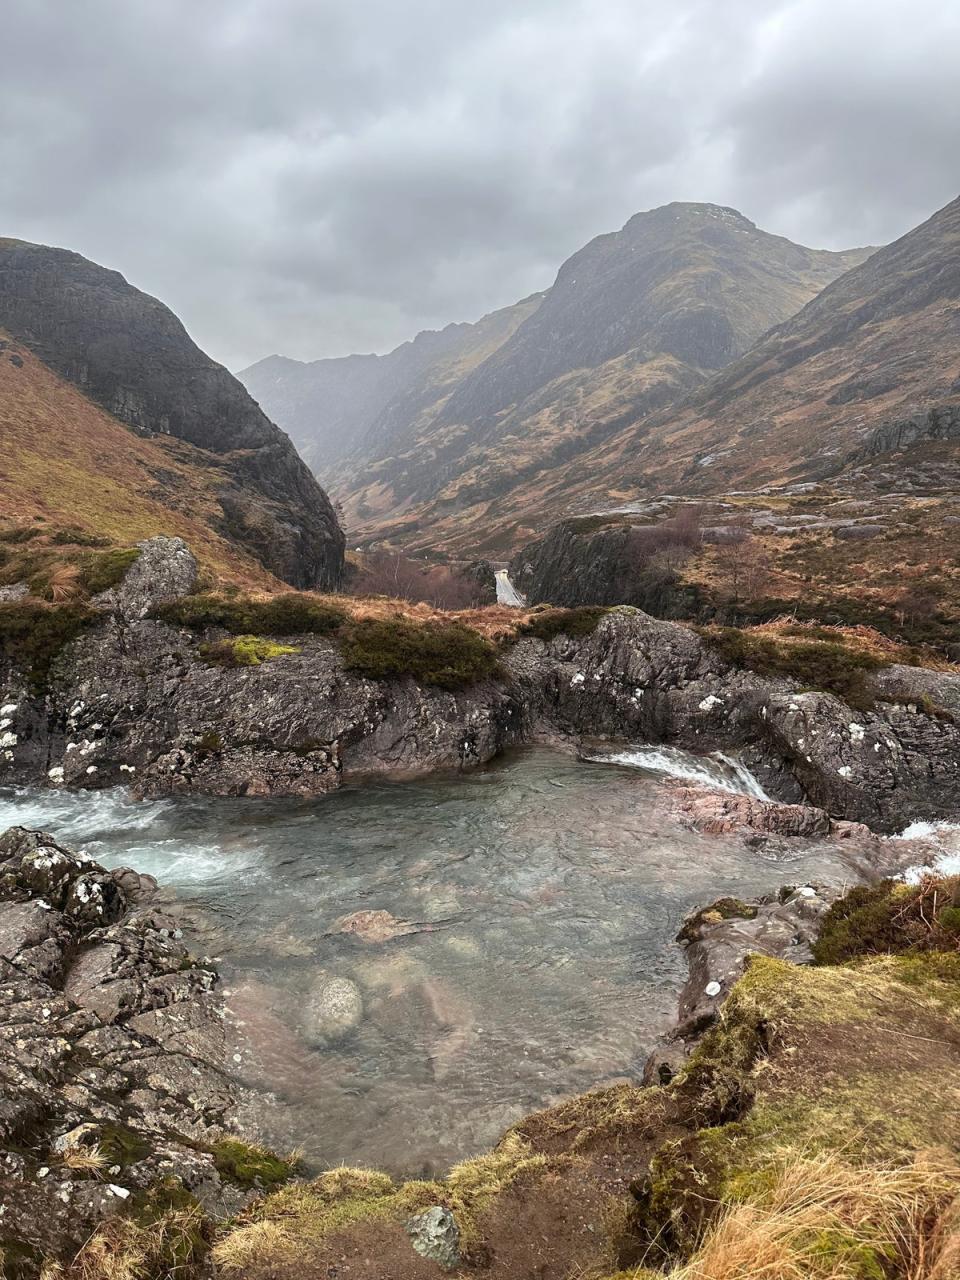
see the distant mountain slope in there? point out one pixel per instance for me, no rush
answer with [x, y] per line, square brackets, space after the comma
[635, 321]
[878, 347]
[361, 406]
[129, 354]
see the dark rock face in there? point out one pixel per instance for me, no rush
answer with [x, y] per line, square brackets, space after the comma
[576, 565]
[131, 355]
[112, 1047]
[942, 422]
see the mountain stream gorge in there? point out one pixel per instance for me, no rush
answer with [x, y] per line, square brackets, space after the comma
[529, 951]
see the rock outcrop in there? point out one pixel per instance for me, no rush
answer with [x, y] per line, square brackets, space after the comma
[130, 354]
[112, 1052]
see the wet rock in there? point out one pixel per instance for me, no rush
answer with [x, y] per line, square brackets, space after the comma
[435, 1235]
[333, 1008]
[718, 812]
[377, 926]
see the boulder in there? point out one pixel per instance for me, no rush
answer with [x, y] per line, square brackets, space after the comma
[435, 1235]
[333, 1008]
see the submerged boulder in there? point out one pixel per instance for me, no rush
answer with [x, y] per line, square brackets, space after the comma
[333, 1008]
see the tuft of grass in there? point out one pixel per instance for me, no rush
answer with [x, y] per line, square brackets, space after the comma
[448, 655]
[164, 1233]
[243, 651]
[568, 622]
[823, 1218]
[101, 570]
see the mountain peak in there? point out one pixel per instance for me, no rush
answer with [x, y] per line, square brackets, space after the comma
[690, 211]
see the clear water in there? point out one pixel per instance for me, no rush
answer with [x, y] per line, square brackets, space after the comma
[554, 889]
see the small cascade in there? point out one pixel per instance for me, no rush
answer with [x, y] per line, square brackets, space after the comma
[717, 770]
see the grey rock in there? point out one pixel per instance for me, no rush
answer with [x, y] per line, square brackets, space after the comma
[165, 569]
[435, 1235]
[333, 1008]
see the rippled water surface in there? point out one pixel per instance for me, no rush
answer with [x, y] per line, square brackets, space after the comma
[553, 890]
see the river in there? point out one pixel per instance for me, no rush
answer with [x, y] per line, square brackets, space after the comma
[550, 891]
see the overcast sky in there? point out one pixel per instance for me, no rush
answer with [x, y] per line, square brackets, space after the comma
[322, 176]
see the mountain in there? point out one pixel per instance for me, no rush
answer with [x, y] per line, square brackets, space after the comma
[634, 322]
[874, 352]
[230, 467]
[356, 406]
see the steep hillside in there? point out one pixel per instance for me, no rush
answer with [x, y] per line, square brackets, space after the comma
[635, 321]
[71, 473]
[361, 406]
[859, 366]
[130, 355]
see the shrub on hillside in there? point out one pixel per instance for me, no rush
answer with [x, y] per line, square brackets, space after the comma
[33, 634]
[568, 622]
[891, 918]
[826, 665]
[448, 655]
[284, 615]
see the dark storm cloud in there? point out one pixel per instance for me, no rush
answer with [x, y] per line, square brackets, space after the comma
[319, 176]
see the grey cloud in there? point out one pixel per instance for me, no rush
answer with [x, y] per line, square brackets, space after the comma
[315, 178]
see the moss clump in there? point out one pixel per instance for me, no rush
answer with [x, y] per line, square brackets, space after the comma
[448, 655]
[891, 918]
[250, 1166]
[568, 622]
[120, 1145]
[722, 909]
[74, 537]
[830, 666]
[283, 615]
[101, 570]
[243, 651]
[33, 634]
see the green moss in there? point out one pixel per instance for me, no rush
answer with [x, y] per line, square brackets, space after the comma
[283, 615]
[250, 1166]
[448, 655]
[120, 1145]
[569, 622]
[101, 570]
[170, 1228]
[243, 651]
[827, 666]
[722, 909]
[32, 635]
[74, 537]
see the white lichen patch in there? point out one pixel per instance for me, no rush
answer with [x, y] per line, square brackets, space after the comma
[857, 732]
[711, 701]
[577, 678]
[845, 771]
[56, 773]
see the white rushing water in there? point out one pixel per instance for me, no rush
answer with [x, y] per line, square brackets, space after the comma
[716, 770]
[945, 836]
[507, 592]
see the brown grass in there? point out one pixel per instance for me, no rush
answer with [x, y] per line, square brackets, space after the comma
[825, 1219]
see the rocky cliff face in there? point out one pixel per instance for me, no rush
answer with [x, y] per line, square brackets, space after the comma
[131, 355]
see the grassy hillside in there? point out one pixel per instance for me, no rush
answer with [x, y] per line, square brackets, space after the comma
[67, 466]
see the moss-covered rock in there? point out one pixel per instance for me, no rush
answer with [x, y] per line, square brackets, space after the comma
[243, 651]
[448, 655]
